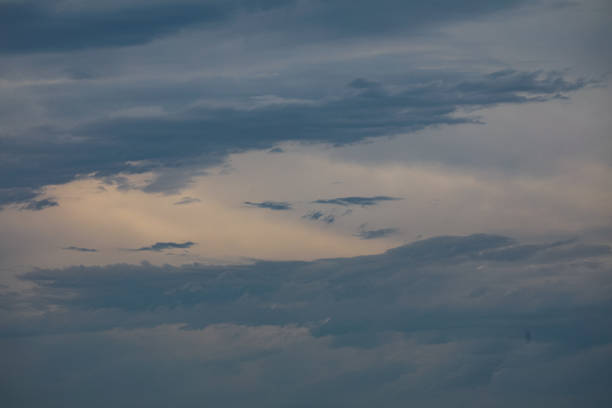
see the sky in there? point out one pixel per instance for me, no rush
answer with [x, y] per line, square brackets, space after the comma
[297, 203]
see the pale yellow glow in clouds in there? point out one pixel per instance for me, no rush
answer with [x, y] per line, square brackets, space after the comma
[436, 201]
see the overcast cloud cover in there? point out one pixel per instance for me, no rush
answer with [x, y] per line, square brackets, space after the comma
[285, 203]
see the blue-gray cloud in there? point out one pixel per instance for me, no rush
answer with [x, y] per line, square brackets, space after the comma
[362, 201]
[270, 205]
[346, 278]
[450, 308]
[205, 136]
[80, 249]
[38, 205]
[161, 246]
[376, 233]
[52, 26]
[320, 216]
[17, 195]
[40, 27]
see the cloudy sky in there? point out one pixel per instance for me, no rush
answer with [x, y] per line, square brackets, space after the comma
[298, 203]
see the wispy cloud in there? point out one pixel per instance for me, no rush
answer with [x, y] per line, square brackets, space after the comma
[80, 249]
[320, 216]
[362, 201]
[270, 205]
[38, 205]
[187, 200]
[376, 233]
[161, 246]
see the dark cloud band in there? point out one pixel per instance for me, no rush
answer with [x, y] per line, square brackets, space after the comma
[206, 136]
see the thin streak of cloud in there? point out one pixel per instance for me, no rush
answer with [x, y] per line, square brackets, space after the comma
[161, 246]
[187, 200]
[270, 205]
[362, 201]
[80, 249]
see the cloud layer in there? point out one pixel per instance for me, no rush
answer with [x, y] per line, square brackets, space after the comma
[255, 128]
[451, 312]
[52, 26]
[205, 136]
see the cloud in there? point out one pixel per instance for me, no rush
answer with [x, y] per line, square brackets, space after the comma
[204, 136]
[49, 26]
[41, 27]
[276, 150]
[38, 205]
[169, 90]
[313, 215]
[443, 248]
[320, 216]
[17, 195]
[520, 252]
[443, 311]
[377, 233]
[187, 200]
[270, 205]
[362, 201]
[161, 246]
[80, 249]
[247, 289]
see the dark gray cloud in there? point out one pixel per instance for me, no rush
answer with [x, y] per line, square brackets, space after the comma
[51, 26]
[17, 195]
[161, 246]
[362, 201]
[187, 200]
[38, 205]
[80, 249]
[41, 26]
[147, 287]
[444, 311]
[270, 205]
[376, 233]
[204, 136]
